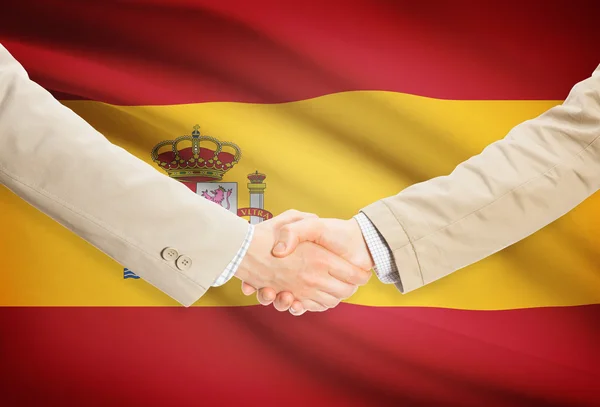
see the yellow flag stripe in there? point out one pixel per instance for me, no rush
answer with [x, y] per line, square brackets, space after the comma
[330, 155]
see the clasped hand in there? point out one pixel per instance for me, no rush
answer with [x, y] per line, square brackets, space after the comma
[304, 263]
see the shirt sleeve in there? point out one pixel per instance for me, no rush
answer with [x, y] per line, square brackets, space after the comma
[237, 260]
[385, 266]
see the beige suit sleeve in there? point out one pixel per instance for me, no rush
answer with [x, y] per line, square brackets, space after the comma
[58, 163]
[541, 170]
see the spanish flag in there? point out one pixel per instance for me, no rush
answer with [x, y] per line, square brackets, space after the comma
[324, 107]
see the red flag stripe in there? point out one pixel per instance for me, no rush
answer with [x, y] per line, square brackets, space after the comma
[350, 356]
[170, 52]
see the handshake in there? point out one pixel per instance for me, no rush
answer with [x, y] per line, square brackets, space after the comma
[304, 263]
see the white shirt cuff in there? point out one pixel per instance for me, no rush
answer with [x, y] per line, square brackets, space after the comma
[237, 260]
[385, 266]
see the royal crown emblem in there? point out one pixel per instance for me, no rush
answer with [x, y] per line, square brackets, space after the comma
[196, 161]
[200, 162]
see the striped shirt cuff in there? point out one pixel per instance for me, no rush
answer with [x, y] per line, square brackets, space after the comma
[237, 260]
[385, 266]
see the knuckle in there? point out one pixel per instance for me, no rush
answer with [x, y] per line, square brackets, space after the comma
[309, 280]
[303, 295]
[285, 300]
[314, 307]
[285, 229]
[333, 302]
[263, 301]
[291, 213]
[353, 276]
[365, 276]
[349, 291]
[320, 261]
[267, 294]
[359, 277]
[280, 307]
[309, 272]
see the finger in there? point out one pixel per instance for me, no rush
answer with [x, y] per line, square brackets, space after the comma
[347, 272]
[313, 306]
[247, 289]
[283, 301]
[297, 308]
[326, 299]
[291, 235]
[354, 290]
[266, 296]
[334, 287]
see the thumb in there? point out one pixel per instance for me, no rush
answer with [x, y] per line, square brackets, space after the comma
[291, 235]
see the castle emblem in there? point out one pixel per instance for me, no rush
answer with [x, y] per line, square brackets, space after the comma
[200, 162]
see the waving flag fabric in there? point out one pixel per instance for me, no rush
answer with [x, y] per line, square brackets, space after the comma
[331, 106]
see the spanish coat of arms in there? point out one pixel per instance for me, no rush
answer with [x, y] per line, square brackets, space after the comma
[202, 167]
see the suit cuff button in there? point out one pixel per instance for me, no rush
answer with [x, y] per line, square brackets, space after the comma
[183, 263]
[169, 254]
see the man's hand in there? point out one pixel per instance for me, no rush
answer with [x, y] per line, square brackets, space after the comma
[316, 278]
[341, 237]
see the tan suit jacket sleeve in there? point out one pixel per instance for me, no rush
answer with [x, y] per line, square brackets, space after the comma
[58, 163]
[541, 170]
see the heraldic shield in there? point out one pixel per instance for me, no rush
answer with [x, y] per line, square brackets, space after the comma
[200, 162]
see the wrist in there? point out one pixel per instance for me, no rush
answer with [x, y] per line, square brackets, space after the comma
[242, 272]
[251, 269]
